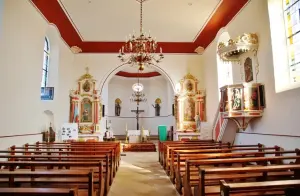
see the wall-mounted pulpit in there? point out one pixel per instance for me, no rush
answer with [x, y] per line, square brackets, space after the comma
[85, 108]
[242, 102]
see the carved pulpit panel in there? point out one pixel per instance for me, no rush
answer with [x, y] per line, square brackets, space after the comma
[189, 102]
[85, 106]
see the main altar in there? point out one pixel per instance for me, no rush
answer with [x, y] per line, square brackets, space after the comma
[85, 108]
[189, 105]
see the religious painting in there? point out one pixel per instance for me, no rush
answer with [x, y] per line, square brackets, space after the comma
[254, 99]
[236, 99]
[189, 109]
[248, 70]
[189, 86]
[87, 86]
[86, 110]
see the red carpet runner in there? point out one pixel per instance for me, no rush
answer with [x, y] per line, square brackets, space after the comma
[139, 147]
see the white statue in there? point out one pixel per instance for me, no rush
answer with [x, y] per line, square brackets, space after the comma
[198, 122]
[109, 131]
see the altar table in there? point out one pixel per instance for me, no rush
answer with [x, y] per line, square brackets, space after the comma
[135, 135]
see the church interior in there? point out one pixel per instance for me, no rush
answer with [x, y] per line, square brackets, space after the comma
[150, 97]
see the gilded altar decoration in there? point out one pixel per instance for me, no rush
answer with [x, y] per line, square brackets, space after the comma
[85, 106]
[189, 102]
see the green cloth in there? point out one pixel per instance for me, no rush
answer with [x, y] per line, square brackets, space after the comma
[162, 132]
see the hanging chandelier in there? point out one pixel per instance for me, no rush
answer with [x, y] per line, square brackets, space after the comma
[141, 49]
[138, 96]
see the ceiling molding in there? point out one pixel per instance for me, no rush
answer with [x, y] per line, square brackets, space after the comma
[138, 75]
[54, 13]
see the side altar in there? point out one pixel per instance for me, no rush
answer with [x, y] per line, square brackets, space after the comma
[189, 109]
[85, 108]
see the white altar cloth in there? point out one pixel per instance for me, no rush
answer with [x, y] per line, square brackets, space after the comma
[138, 133]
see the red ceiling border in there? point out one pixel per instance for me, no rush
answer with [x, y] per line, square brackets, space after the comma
[54, 13]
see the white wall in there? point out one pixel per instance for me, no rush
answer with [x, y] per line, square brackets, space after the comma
[283, 109]
[21, 59]
[155, 87]
[1, 16]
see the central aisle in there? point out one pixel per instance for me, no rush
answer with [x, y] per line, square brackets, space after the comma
[140, 174]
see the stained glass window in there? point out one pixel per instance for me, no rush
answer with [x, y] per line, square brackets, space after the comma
[45, 63]
[291, 10]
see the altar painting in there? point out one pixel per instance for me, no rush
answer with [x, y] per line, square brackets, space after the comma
[86, 110]
[189, 109]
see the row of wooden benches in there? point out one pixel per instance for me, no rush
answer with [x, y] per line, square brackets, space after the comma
[207, 167]
[74, 168]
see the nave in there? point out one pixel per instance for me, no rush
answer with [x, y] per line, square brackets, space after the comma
[141, 174]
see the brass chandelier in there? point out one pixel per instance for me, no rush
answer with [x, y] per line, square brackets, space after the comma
[142, 49]
[138, 96]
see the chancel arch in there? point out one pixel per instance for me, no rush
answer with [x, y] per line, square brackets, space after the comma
[157, 109]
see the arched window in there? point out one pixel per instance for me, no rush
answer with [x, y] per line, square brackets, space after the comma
[46, 63]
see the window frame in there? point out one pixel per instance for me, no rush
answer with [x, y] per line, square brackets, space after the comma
[46, 63]
[282, 74]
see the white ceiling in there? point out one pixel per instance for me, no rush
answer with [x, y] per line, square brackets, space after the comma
[113, 20]
[134, 69]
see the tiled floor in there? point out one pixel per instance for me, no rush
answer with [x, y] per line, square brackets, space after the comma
[140, 174]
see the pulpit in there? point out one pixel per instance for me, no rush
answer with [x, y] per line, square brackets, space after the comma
[85, 108]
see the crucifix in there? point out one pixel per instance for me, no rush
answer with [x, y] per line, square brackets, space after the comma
[137, 112]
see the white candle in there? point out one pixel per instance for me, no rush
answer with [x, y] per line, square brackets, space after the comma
[160, 50]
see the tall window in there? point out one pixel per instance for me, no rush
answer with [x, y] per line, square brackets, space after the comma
[46, 63]
[291, 10]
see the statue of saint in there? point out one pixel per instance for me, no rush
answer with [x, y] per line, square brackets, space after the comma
[117, 109]
[198, 122]
[157, 109]
[52, 134]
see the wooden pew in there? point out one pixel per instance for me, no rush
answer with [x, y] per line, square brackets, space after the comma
[185, 169]
[12, 165]
[115, 145]
[109, 164]
[184, 153]
[49, 177]
[162, 146]
[80, 158]
[261, 188]
[209, 178]
[38, 192]
[187, 183]
[167, 150]
[177, 165]
[110, 147]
